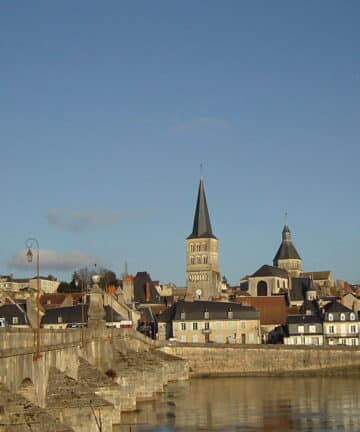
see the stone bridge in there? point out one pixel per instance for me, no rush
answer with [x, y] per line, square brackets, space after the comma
[82, 382]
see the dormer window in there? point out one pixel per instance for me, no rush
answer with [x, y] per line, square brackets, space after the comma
[230, 314]
[206, 314]
[352, 316]
[331, 317]
[342, 317]
[60, 320]
[308, 312]
[183, 315]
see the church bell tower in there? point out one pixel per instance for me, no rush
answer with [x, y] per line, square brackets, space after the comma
[202, 254]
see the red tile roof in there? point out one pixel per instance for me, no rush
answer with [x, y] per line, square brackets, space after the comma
[273, 310]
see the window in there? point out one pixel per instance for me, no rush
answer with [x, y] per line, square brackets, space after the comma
[15, 320]
[331, 329]
[195, 326]
[242, 324]
[205, 259]
[207, 326]
[353, 341]
[198, 248]
[205, 247]
[195, 338]
[192, 260]
[183, 326]
[353, 328]
[192, 248]
[312, 329]
[308, 312]
[60, 320]
[183, 315]
[230, 314]
[206, 314]
[342, 317]
[278, 283]
[198, 259]
[352, 316]
[330, 317]
[315, 341]
[301, 329]
[183, 338]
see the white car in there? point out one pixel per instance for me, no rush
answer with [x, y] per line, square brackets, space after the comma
[3, 323]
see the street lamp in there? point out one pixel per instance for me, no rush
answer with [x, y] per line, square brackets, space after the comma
[30, 242]
[82, 311]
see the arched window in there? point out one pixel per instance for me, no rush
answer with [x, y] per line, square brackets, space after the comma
[331, 317]
[192, 248]
[198, 248]
[352, 316]
[262, 288]
[192, 260]
[205, 259]
[342, 317]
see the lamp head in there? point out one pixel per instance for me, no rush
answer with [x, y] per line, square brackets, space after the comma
[29, 255]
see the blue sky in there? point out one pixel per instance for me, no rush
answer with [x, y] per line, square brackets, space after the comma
[108, 108]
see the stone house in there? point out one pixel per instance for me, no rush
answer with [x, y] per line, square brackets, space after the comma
[207, 321]
[341, 325]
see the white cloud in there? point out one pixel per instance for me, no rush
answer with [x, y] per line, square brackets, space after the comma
[81, 220]
[55, 260]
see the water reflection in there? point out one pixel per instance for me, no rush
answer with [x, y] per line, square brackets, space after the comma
[251, 404]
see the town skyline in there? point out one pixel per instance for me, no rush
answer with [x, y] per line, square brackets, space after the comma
[107, 115]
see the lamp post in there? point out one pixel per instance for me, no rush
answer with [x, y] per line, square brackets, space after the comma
[82, 311]
[30, 242]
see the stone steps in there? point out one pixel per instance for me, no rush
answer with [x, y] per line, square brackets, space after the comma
[17, 414]
[75, 404]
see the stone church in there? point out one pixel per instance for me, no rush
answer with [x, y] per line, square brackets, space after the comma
[202, 254]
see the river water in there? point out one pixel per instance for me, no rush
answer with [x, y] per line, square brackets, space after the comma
[251, 404]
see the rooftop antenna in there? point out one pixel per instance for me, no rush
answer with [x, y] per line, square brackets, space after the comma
[286, 217]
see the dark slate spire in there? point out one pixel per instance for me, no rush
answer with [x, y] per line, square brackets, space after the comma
[202, 225]
[287, 249]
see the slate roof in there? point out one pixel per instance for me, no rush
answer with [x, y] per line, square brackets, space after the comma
[202, 224]
[310, 305]
[72, 315]
[335, 306]
[287, 249]
[299, 286]
[306, 319]
[9, 310]
[217, 311]
[267, 270]
[140, 281]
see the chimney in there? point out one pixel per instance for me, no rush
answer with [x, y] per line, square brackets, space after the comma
[147, 291]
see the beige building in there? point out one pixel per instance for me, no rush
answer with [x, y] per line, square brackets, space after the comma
[205, 322]
[267, 281]
[202, 255]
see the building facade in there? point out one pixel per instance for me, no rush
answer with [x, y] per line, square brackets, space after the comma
[206, 322]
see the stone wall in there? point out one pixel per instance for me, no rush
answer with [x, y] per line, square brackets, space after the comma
[267, 360]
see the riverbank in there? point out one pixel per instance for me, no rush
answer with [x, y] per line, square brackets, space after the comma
[267, 360]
